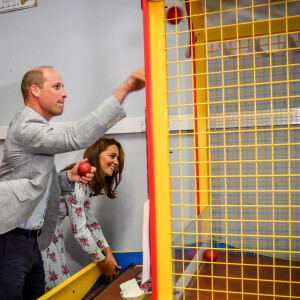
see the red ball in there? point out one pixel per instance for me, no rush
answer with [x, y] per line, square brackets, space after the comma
[210, 255]
[174, 13]
[84, 168]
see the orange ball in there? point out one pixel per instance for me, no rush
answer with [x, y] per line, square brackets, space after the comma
[210, 255]
[174, 15]
[84, 168]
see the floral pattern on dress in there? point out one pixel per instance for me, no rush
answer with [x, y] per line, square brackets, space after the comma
[94, 256]
[54, 239]
[78, 212]
[85, 229]
[65, 269]
[100, 244]
[74, 229]
[72, 199]
[84, 242]
[95, 225]
[52, 276]
[52, 256]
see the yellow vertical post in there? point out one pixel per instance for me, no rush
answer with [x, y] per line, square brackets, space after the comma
[159, 101]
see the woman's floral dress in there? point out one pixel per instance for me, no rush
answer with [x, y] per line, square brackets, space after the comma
[86, 231]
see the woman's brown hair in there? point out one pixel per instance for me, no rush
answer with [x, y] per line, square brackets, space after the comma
[101, 184]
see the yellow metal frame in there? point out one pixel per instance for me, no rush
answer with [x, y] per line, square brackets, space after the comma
[249, 30]
[202, 37]
[161, 149]
[77, 286]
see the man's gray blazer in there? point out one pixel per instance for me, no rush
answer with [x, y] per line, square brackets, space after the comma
[28, 161]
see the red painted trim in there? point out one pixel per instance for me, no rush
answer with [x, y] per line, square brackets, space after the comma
[187, 5]
[150, 154]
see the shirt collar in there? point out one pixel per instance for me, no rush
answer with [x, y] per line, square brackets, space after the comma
[36, 113]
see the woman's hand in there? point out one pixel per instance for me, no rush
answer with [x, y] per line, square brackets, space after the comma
[108, 268]
[73, 175]
[108, 254]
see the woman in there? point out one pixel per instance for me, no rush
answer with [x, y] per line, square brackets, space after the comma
[107, 156]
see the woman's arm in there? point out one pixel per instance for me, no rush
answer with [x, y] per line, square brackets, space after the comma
[82, 230]
[75, 203]
[94, 227]
[98, 235]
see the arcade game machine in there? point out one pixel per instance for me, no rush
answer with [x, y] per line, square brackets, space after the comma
[223, 148]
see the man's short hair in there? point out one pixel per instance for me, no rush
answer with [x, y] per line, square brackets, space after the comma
[33, 76]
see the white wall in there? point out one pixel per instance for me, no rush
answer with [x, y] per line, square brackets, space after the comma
[94, 45]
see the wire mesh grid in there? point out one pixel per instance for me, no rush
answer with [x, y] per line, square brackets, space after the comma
[234, 114]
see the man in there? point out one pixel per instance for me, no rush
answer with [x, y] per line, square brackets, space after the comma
[30, 186]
